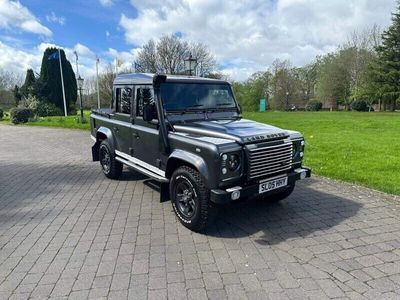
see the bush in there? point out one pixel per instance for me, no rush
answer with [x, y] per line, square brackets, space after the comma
[359, 105]
[1, 113]
[314, 105]
[31, 102]
[45, 109]
[21, 115]
[42, 108]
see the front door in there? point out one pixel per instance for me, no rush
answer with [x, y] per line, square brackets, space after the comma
[145, 142]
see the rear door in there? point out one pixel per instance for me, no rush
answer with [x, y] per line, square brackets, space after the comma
[122, 119]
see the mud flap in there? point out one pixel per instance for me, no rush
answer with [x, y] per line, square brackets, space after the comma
[95, 151]
[164, 192]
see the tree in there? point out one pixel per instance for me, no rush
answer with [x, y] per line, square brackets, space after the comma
[168, 53]
[17, 95]
[334, 77]
[48, 87]
[28, 87]
[106, 80]
[386, 70]
[285, 84]
[8, 80]
[250, 92]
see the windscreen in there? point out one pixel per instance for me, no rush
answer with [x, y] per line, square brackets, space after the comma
[188, 96]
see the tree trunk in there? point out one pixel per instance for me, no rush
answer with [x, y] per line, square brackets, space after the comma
[380, 104]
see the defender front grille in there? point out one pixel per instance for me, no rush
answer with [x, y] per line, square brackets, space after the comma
[269, 159]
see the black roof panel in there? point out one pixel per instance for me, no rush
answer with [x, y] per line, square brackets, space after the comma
[147, 78]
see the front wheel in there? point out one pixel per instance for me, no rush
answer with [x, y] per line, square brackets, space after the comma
[191, 199]
[110, 166]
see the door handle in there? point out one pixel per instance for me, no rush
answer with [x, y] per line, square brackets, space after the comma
[136, 135]
[116, 129]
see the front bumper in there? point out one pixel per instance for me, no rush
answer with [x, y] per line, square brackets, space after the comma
[220, 196]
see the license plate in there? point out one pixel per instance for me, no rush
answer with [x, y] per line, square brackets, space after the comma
[272, 185]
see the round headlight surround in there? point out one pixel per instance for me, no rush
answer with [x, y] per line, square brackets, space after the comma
[233, 162]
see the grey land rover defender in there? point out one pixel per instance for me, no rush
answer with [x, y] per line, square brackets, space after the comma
[188, 134]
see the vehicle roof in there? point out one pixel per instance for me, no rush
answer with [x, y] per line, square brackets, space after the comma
[147, 78]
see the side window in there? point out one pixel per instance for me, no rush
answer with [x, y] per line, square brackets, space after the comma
[144, 95]
[124, 99]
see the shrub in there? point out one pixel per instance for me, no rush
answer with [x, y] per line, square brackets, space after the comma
[21, 115]
[359, 105]
[45, 109]
[42, 108]
[31, 102]
[1, 113]
[314, 105]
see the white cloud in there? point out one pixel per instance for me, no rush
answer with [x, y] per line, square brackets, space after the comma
[256, 31]
[18, 61]
[53, 18]
[14, 14]
[84, 51]
[106, 3]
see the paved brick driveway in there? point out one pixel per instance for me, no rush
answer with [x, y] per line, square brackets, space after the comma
[67, 231]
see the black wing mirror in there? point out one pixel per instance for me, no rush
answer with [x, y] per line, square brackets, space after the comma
[148, 112]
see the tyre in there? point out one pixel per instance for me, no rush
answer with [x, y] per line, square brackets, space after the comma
[110, 166]
[279, 196]
[191, 199]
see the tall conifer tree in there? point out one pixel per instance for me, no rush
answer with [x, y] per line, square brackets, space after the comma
[49, 84]
[386, 71]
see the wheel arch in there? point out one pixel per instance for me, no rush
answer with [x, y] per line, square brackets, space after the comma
[183, 158]
[103, 133]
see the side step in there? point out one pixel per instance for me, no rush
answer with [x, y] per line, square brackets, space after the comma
[142, 170]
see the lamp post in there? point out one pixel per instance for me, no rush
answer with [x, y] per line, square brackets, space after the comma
[80, 85]
[287, 100]
[190, 64]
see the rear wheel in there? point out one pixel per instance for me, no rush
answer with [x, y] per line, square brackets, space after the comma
[110, 166]
[191, 199]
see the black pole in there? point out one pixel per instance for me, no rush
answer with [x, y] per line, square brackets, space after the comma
[163, 133]
[80, 96]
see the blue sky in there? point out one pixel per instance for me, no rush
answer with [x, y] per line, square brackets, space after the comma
[85, 22]
[245, 36]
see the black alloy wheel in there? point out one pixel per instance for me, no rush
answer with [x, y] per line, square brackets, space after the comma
[186, 198]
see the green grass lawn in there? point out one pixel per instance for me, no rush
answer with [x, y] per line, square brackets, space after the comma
[363, 148]
[65, 122]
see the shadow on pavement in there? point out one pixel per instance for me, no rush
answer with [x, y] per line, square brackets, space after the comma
[306, 211]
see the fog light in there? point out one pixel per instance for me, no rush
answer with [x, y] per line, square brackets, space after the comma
[235, 195]
[301, 154]
[303, 175]
[224, 170]
[224, 157]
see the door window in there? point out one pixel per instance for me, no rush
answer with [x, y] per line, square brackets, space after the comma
[144, 95]
[123, 100]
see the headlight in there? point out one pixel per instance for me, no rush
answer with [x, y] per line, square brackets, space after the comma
[233, 162]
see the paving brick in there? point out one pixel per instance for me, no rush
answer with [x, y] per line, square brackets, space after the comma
[73, 233]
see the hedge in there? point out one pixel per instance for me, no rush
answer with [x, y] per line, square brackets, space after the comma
[21, 115]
